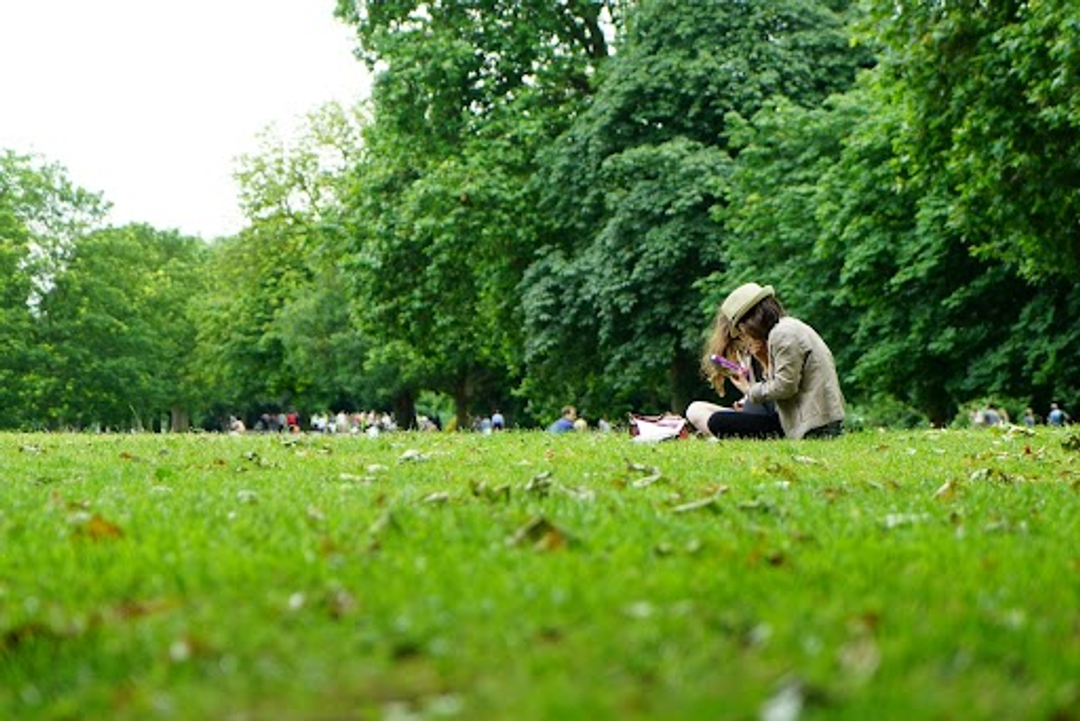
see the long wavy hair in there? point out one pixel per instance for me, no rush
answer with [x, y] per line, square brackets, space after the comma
[756, 324]
[722, 344]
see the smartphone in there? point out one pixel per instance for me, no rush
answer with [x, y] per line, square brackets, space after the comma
[727, 365]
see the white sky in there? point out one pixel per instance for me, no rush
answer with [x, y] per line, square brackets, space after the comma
[149, 102]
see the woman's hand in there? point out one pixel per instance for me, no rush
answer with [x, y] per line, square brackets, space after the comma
[740, 381]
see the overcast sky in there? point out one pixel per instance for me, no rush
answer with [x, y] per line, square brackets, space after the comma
[149, 102]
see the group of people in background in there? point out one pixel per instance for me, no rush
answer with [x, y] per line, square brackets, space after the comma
[370, 422]
[994, 415]
[570, 421]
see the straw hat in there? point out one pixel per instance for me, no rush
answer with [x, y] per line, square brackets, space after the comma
[742, 299]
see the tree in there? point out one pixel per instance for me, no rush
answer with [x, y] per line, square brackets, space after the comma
[118, 330]
[634, 190]
[441, 219]
[991, 113]
[41, 215]
[276, 328]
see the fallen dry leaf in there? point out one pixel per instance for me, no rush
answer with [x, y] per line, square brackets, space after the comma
[97, 528]
[947, 491]
[711, 503]
[541, 534]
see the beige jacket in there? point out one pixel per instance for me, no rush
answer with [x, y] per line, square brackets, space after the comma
[801, 379]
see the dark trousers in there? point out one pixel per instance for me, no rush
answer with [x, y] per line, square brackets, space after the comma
[739, 424]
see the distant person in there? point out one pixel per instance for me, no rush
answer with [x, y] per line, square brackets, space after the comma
[1057, 416]
[799, 373]
[565, 424]
[498, 422]
[990, 416]
[1029, 418]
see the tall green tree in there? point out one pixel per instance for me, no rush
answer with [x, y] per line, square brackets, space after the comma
[634, 192]
[276, 328]
[465, 93]
[42, 213]
[118, 329]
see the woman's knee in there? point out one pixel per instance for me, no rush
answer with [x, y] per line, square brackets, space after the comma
[698, 413]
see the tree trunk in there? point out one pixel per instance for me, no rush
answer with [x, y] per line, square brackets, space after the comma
[181, 421]
[461, 402]
[405, 411]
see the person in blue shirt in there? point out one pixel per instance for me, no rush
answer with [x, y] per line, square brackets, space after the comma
[565, 424]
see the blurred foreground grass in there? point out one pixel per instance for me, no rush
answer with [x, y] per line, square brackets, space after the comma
[528, 576]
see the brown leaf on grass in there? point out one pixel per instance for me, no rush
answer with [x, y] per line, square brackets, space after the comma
[131, 610]
[12, 639]
[772, 557]
[710, 503]
[328, 546]
[481, 489]
[652, 475]
[541, 534]
[946, 492]
[860, 658]
[788, 474]
[97, 528]
[355, 478]
[757, 505]
[994, 474]
[382, 525]
[436, 497]
[808, 460]
[831, 493]
[540, 484]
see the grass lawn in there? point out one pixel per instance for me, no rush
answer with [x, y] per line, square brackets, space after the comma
[899, 575]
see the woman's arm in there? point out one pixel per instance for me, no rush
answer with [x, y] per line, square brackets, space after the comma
[788, 357]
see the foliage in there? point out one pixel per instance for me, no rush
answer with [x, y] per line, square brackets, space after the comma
[989, 112]
[633, 192]
[441, 216]
[276, 327]
[42, 214]
[500, 576]
[117, 329]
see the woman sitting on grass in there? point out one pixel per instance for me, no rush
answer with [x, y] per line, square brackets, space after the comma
[795, 365]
